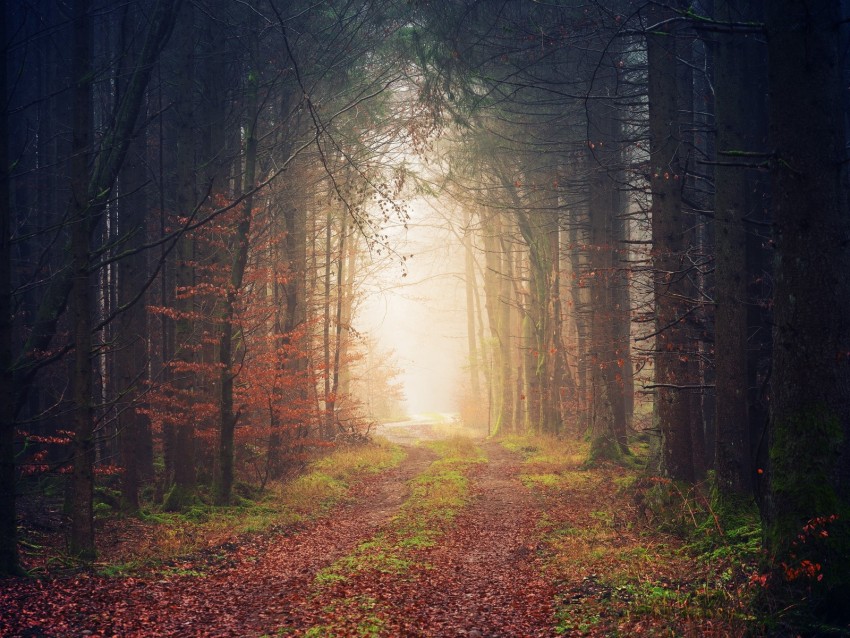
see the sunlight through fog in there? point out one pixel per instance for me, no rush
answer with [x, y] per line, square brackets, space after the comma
[421, 316]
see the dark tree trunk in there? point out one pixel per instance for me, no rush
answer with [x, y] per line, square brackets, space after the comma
[8, 520]
[739, 85]
[810, 380]
[181, 437]
[580, 313]
[672, 368]
[239, 249]
[131, 357]
[82, 481]
[609, 410]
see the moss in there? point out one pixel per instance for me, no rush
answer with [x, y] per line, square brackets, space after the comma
[179, 499]
[604, 448]
[803, 458]
[809, 521]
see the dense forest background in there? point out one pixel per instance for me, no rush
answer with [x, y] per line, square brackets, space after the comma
[652, 199]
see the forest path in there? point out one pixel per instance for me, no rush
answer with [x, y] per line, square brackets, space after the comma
[461, 539]
[480, 576]
[240, 595]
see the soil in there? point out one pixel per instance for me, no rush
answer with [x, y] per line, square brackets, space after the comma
[241, 593]
[495, 571]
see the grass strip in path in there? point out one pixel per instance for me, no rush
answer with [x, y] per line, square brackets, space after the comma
[349, 595]
[470, 563]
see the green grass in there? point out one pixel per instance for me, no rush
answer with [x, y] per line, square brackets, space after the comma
[436, 497]
[168, 535]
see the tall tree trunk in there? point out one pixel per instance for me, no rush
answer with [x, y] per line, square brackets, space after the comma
[239, 246]
[331, 399]
[326, 429]
[561, 379]
[498, 317]
[9, 563]
[810, 380]
[182, 453]
[82, 481]
[508, 320]
[609, 425]
[130, 360]
[672, 414]
[739, 74]
[580, 314]
[472, 341]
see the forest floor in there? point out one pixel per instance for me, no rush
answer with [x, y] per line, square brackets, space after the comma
[458, 538]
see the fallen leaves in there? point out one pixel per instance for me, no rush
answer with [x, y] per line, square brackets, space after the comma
[530, 549]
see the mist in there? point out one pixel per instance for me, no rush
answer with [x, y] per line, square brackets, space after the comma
[417, 308]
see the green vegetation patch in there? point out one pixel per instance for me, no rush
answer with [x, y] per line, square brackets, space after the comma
[188, 521]
[436, 497]
[546, 454]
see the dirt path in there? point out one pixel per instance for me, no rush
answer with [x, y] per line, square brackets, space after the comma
[486, 578]
[482, 576]
[526, 544]
[242, 596]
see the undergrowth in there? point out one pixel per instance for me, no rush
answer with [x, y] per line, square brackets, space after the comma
[156, 538]
[436, 496]
[634, 554]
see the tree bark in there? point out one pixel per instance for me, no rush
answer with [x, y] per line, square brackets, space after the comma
[672, 414]
[82, 482]
[739, 74]
[239, 246]
[9, 564]
[810, 380]
[181, 438]
[609, 427]
[130, 358]
[471, 338]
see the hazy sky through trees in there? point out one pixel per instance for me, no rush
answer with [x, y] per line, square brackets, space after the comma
[422, 316]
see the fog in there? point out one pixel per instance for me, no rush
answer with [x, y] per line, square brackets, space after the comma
[421, 316]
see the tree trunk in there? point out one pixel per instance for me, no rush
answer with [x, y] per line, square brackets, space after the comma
[331, 401]
[182, 452]
[672, 368]
[609, 426]
[471, 338]
[580, 314]
[130, 360]
[498, 316]
[810, 380]
[9, 564]
[82, 481]
[238, 248]
[739, 75]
